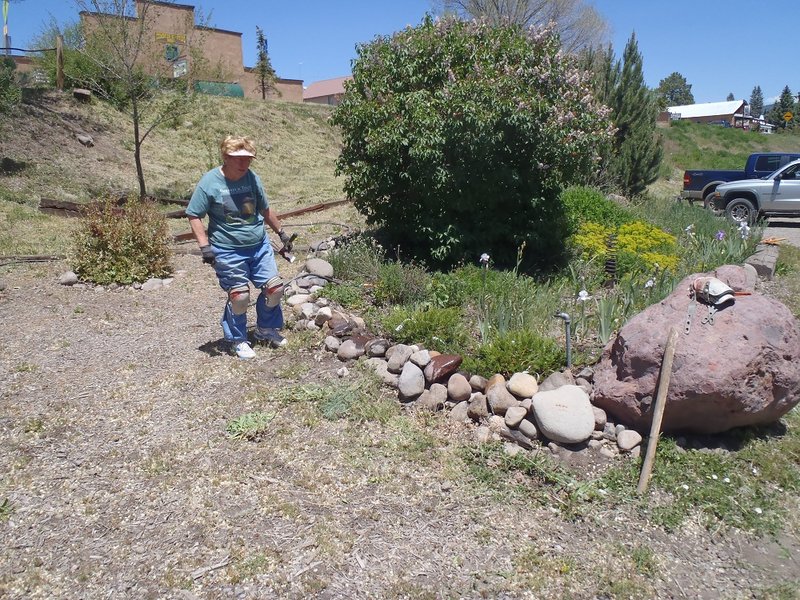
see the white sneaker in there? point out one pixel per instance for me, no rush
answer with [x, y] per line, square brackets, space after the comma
[242, 350]
[271, 335]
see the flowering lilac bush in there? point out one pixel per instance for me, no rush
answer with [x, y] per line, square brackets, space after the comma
[458, 138]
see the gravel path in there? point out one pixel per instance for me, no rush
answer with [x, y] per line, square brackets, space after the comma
[121, 482]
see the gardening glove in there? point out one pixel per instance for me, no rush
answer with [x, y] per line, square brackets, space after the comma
[286, 240]
[208, 254]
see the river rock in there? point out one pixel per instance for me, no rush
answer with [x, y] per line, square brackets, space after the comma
[458, 388]
[523, 385]
[478, 408]
[441, 367]
[349, 350]
[398, 356]
[628, 439]
[411, 382]
[564, 414]
[556, 380]
[319, 267]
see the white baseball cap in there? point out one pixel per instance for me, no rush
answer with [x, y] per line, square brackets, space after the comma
[242, 152]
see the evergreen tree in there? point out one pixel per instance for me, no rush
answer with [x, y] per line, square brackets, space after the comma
[756, 102]
[730, 97]
[784, 104]
[638, 149]
[674, 90]
[263, 69]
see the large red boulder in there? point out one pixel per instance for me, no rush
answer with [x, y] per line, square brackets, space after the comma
[744, 369]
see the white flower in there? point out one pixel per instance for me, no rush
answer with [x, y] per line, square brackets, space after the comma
[758, 510]
[714, 477]
[727, 480]
[744, 230]
[689, 229]
[685, 487]
[484, 259]
[583, 296]
[650, 283]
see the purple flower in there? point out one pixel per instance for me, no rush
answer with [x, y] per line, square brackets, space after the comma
[720, 235]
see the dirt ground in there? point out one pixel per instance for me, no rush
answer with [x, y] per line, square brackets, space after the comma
[120, 480]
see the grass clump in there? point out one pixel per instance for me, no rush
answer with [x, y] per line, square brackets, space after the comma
[516, 351]
[250, 426]
[114, 246]
[359, 400]
[440, 329]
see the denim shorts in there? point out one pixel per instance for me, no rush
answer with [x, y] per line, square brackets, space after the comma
[237, 267]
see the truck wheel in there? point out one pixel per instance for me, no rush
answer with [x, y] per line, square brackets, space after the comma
[741, 210]
[708, 203]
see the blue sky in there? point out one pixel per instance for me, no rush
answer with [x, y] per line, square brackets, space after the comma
[719, 46]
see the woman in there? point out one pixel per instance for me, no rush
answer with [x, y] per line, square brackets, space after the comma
[237, 245]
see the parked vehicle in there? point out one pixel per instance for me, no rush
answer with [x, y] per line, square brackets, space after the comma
[699, 185]
[776, 194]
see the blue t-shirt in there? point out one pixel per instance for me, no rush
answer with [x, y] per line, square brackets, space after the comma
[233, 208]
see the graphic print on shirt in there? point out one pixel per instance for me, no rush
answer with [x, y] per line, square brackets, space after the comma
[238, 205]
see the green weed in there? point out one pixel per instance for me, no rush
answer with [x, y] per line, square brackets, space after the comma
[6, 508]
[250, 426]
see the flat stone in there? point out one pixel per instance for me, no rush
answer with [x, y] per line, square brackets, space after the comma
[556, 380]
[68, 278]
[398, 356]
[441, 367]
[348, 350]
[514, 416]
[319, 267]
[421, 358]
[376, 347]
[152, 284]
[522, 385]
[564, 414]
[298, 299]
[628, 439]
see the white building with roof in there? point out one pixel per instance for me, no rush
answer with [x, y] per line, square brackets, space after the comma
[736, 113]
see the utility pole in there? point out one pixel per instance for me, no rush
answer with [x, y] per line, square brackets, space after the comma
[6, 38]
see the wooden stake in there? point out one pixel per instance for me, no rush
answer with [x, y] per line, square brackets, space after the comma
[658, 411]
[59, 63]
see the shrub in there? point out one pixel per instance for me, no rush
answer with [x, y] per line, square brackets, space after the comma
[589, 205]
[514, 352]
[114, 246]
[10, 92]
[358, 259]
[401, 284]
[458, 137]
[440, 329]
[348, 294]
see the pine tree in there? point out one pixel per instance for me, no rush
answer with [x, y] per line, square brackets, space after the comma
[730, 97]
[263, 69]
[638, 148]
[784, 104]
[756, 102]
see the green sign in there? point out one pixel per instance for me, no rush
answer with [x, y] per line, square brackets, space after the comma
[171, 52]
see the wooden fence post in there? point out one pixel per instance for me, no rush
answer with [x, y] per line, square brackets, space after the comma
[59, 62]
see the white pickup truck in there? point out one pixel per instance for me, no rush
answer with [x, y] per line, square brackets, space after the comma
[747, 199]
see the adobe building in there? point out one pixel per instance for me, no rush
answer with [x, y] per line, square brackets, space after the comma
[327, 91]
[175, 46]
